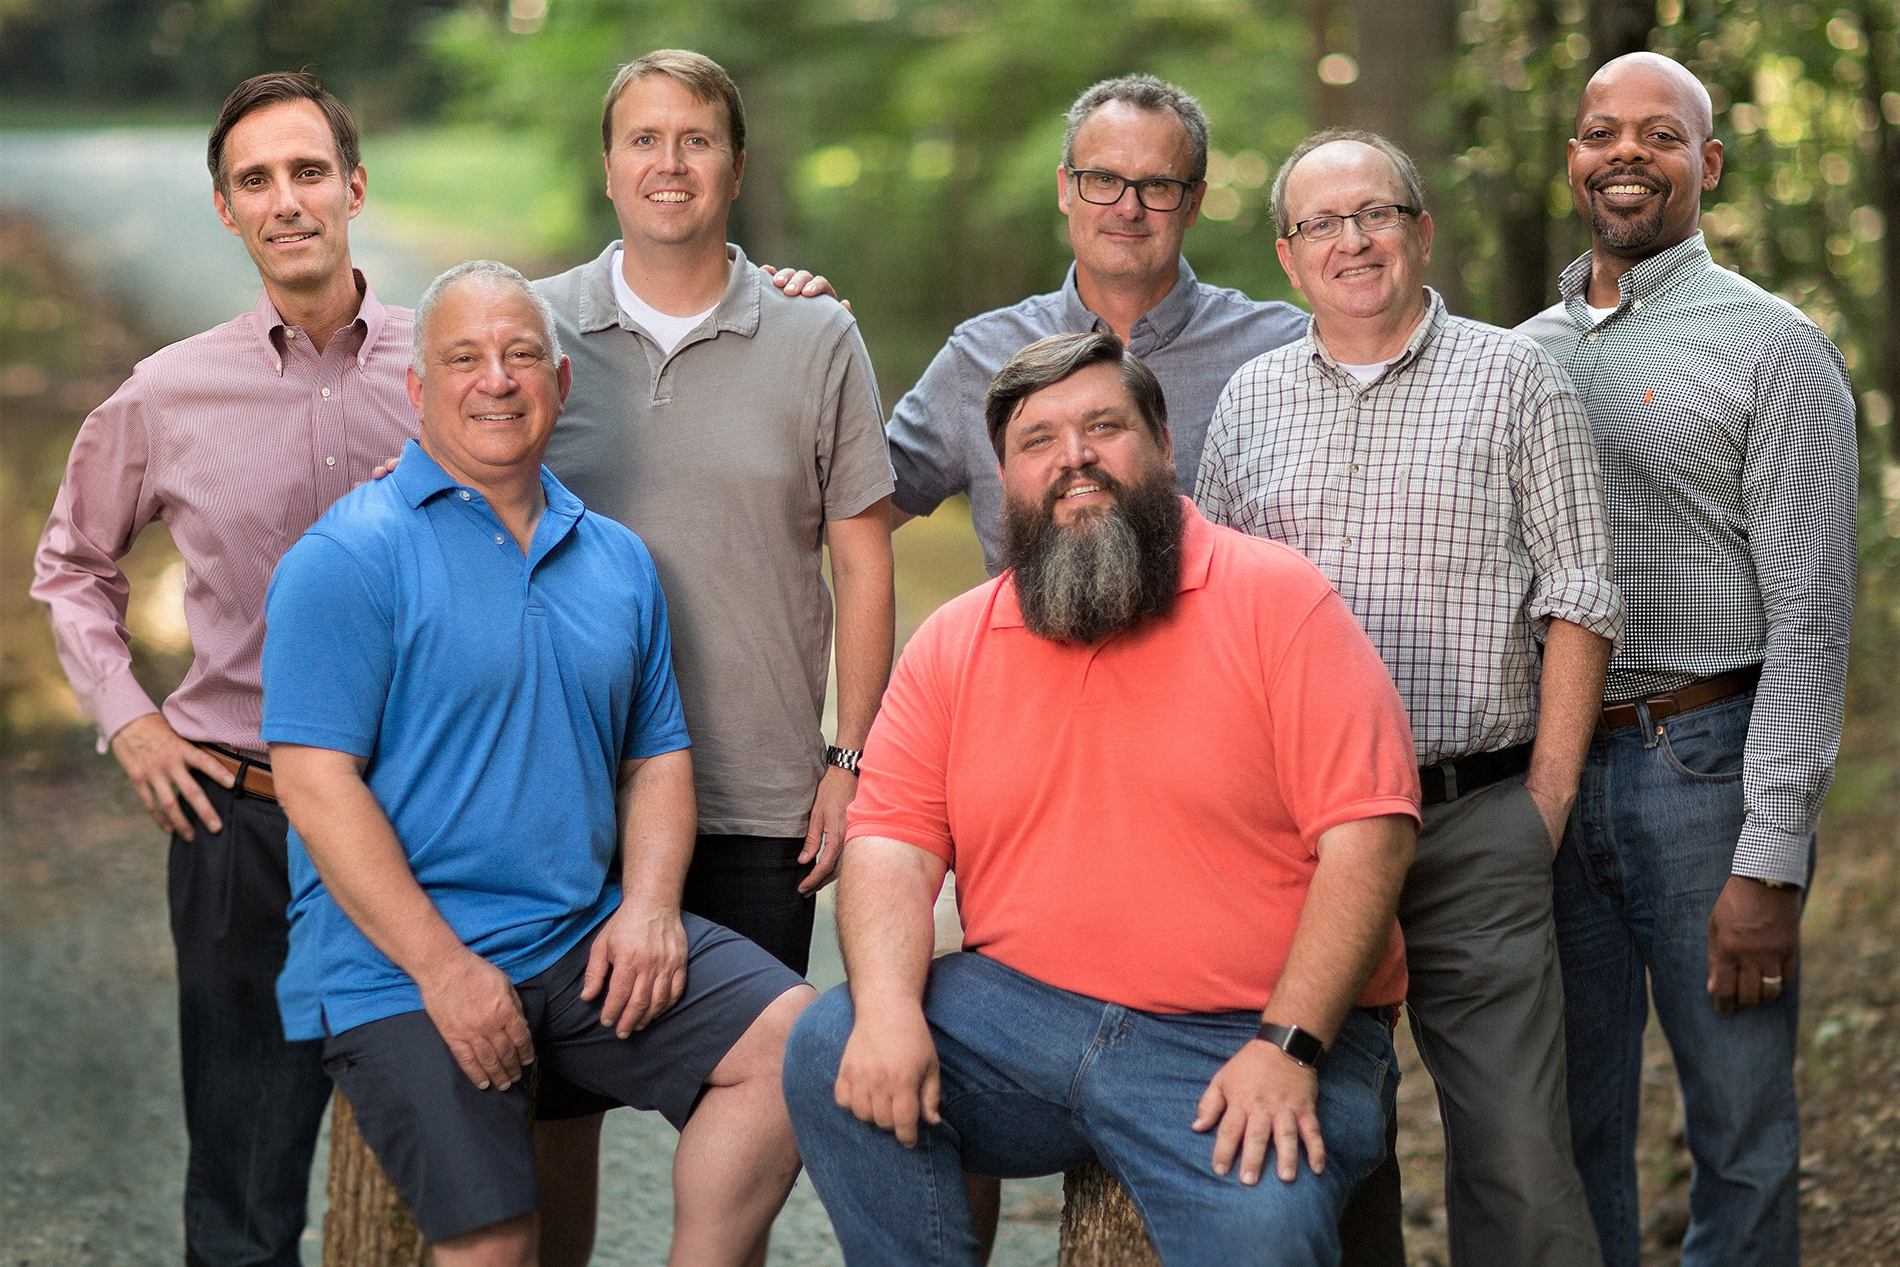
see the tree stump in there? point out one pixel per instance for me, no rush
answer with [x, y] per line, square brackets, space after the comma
[367, 1224]
[1100, 1225]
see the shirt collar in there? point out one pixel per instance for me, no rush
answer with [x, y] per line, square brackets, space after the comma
[1650, 277]
[1197, 561]
[370, 315]
[1428, 327]
[419, 477]
[1166, 320]
[737, 311]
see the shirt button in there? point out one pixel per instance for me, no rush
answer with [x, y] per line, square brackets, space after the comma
[498, 539]
[326, 391]
[1591, 337]
[290, 334]
[465, 494]
[1354, 468]
[1346, 541]
[1636, 303]
[329, 461]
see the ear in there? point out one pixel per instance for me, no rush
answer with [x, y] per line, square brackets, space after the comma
[1283, 247]
[1062, 189]
[738, 174]
[1194, 204]
[1711, 164]
[564, 378]
[413, 381]
[1425, 234]
[359, 188]
[1167, 443]
[224, 212]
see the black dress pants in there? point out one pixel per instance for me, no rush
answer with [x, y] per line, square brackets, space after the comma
[253, 1102]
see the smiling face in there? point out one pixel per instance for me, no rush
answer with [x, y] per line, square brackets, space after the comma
[287, 197]
[1073, 446]
[1126, 241]
[671, 171]
[1642, 156]
[1357, 276]
[491, 392]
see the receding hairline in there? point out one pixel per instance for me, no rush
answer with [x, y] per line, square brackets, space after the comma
[1701, 113]
[1398, 177]
[1185, 135]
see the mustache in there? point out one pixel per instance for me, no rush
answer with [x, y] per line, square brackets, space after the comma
[1090, 474]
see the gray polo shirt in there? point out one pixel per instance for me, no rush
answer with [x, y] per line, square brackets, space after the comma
[727, 457]
[1193, 340]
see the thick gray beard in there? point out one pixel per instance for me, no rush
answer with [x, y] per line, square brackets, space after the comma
[1107, 573]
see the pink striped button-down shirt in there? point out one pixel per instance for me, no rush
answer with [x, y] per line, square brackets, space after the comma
[239, 439]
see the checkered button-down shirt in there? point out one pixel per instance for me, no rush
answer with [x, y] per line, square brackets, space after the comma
[1725, 423]
[1454, 502]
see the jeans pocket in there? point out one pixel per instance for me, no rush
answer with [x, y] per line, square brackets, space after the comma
[1702, 753]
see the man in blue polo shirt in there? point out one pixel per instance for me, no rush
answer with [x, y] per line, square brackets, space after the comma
[470, 703]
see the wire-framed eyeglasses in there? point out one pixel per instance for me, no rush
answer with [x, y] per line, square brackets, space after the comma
[1104, 189]
[1369, 220]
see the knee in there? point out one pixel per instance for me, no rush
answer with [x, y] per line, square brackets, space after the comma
[814, 1050]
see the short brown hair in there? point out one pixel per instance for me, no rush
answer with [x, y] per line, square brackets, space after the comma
[1047, 362]
[274, 88]
[700, 75]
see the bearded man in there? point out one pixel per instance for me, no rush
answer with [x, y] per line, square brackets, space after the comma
[1177, 788]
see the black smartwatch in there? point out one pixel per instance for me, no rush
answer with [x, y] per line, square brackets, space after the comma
[844, 758]
[1303, 1047]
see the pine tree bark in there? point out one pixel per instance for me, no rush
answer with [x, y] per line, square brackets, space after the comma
[367, 1224]
[1100, 1225]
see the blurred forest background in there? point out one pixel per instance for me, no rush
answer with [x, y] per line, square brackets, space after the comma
[906, 149]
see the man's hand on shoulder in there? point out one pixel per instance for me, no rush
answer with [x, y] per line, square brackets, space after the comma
[889, 1076]
[639, 958]
[1263, 1096]
[384, 467]
[801, 282]
[824, 838]
[1754, 943]
[159, 763]
[476, 1010]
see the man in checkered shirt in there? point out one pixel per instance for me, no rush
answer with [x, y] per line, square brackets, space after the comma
[1725, 423]
[1440, 472]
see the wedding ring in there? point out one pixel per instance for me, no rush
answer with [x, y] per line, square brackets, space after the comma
[1771, 980]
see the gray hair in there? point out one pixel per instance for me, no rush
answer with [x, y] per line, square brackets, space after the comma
[1144, 92]
[493, 270]
[1401, 164]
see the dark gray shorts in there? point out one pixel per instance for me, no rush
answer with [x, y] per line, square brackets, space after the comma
[464, 1158]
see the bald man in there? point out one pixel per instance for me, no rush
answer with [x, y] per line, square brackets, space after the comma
[1725, 425]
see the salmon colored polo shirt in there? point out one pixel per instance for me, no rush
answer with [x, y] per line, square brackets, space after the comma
[1135, 821]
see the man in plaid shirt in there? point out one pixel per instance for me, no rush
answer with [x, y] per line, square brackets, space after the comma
[1725, 421]
[1440, 472]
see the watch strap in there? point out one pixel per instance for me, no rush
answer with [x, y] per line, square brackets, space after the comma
[1303, 1047]
[844, 758]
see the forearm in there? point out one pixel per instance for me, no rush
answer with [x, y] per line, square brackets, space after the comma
[885, 925]
[359, 858]
[658, 819]
[862, 573]
[1570, 698]
[1345, 924]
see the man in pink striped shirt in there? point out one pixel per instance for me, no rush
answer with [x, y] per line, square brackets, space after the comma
[238, 439]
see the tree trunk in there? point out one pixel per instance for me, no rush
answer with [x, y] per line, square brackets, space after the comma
[1883, 179]
[367, 1225]
[1618, 27]
[1100, 1225]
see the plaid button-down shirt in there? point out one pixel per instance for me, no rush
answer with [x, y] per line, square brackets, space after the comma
[1454, 502]
[1725, 423]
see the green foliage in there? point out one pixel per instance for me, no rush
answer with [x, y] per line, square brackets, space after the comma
[907, 149]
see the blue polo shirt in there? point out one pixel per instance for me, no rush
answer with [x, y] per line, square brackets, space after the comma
[494, 697]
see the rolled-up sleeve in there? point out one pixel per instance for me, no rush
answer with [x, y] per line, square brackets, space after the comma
[1559, 488]
[103, 503]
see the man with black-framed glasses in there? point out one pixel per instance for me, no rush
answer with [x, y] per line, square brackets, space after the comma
[1440, 472]
[1134, 161]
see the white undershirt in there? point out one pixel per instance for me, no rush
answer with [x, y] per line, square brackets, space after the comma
[1599, 315]
[1364, 373]
[667, 330]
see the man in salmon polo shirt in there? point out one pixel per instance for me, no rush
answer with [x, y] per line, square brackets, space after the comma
[1178, 791]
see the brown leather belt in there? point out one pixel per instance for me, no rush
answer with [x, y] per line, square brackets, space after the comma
[251, 775]
[1706, 691]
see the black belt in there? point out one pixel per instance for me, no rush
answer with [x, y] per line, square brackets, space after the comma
[1449, 780]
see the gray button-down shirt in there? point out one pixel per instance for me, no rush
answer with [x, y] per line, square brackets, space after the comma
[1454, 502]
[1193, 340]
[1725, 422]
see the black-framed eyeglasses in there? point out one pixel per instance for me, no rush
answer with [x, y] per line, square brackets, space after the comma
[1370, 220]
[1105, 189]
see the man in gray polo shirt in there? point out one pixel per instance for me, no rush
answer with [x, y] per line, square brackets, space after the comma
[738, 431]
[1131, 179]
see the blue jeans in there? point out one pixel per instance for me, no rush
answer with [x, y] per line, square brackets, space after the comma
[1038, 1080]
[1647, 853]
